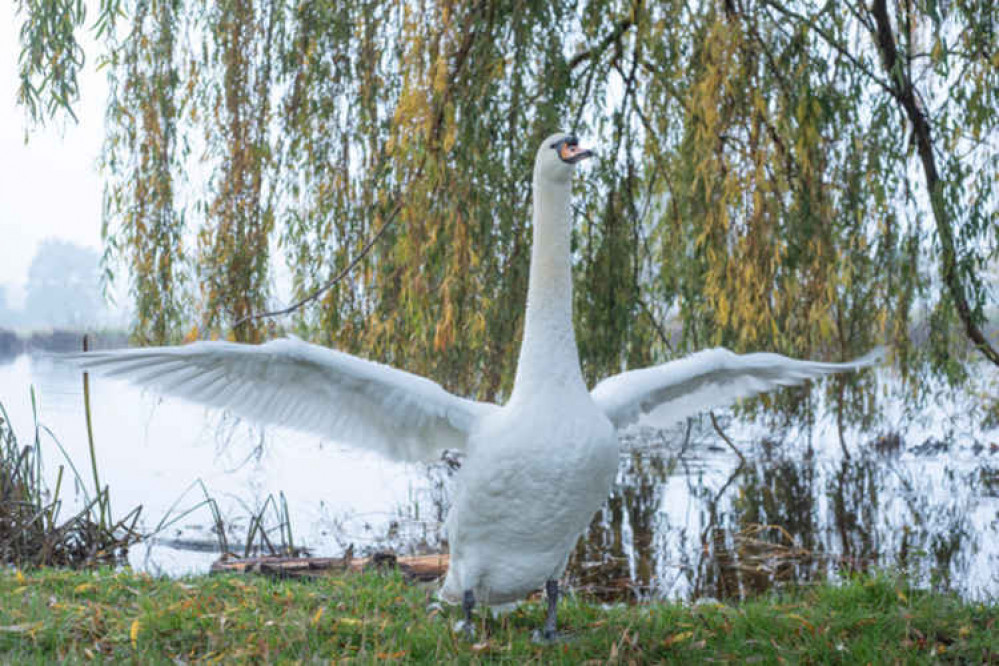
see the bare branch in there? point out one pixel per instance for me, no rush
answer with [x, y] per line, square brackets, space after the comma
[339, 276]
[596, 51]
[832, 42]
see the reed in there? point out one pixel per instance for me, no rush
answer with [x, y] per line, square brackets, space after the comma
[33, 531]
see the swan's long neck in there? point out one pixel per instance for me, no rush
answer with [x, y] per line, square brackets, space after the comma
[548, 353]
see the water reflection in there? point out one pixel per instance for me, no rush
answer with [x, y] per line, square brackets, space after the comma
[789, 516]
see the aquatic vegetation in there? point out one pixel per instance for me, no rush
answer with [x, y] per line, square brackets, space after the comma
[33, 531]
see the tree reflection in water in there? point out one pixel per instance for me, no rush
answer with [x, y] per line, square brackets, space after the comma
[688, 524]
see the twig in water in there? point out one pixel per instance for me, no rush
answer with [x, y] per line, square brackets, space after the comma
[727, 439]
[686, 438]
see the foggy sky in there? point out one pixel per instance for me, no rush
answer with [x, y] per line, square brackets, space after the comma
[50, 186]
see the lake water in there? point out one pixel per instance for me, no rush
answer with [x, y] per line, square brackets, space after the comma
[686, 519]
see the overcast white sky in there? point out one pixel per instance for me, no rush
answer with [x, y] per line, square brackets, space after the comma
[49, 186]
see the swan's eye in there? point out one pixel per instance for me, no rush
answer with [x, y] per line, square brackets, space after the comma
[565, 141]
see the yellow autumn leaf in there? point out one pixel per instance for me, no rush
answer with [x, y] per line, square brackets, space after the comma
[389, 656]
[808, 625]
[678, 638]
[83, 587]
[937, 52]
[317, 616]
[441, 76]
[133, 633]
[20, 577]
[26, 628]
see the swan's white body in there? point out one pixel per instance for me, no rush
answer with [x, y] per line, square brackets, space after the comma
[536, 469]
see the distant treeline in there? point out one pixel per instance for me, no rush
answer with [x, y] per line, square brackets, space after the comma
[58, 340]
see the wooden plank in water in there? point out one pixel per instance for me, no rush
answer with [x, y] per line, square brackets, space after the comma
[419, 567]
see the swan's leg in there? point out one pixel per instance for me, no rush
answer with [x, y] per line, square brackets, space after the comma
[468, 605]
[551, 590]
[549, 634]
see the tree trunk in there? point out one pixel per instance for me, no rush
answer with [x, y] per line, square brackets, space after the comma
[904, 93]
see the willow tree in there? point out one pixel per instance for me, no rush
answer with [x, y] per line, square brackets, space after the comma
[804, 177]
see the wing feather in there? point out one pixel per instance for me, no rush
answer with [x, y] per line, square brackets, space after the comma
[667, 393]
[293, 383]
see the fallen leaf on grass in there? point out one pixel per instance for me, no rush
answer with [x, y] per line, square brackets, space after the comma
[133, 633]
[83, 587]
[20, 628]
[21, 580]
[391, 655]
[678, 638]
[318, 616]
[808, 625]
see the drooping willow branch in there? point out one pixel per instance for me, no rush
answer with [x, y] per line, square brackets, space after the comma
[460, 59]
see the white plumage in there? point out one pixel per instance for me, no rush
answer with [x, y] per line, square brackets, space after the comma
[675, 390]
[537, 468]
[293, 383]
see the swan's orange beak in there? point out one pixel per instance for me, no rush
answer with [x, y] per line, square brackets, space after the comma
[570, 152]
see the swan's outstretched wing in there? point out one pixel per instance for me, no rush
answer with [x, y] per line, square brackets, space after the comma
[312, 388]
[673, 391]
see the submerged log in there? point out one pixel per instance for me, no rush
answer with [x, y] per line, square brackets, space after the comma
[420, 567]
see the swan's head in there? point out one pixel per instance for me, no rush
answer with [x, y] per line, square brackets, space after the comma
[558, 156]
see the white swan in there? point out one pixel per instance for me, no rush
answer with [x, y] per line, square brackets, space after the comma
[536, 469]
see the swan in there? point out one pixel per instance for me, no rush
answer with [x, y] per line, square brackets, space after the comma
[536, 469]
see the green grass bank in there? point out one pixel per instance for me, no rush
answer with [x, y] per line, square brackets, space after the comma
[125, 617]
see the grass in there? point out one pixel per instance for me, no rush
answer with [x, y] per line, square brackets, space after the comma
[121, 616]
